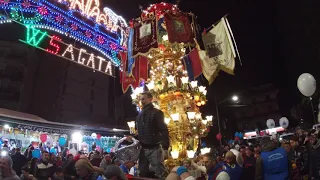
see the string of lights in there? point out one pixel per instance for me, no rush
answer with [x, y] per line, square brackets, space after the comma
[46, 15]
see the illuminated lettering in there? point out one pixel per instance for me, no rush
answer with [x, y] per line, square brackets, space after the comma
[53, 44]
[91, 8]
[70, 50]
[80, 58]
[34, 36]
[91, 60]
[100, 62]
[108, 68]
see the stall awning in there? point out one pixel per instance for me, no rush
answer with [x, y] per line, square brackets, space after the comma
[35, 123]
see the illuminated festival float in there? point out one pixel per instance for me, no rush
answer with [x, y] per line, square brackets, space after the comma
[168, 43]
[165, 41]
[76, 30]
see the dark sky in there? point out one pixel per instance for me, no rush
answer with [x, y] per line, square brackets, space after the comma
[277, 41]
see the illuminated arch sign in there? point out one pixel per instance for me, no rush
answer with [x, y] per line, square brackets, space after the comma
[54, 45]
[81, 20]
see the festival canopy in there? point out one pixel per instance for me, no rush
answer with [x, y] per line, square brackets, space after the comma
[32, 122]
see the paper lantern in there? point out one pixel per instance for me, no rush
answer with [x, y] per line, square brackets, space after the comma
[43, 137]
[62, 141]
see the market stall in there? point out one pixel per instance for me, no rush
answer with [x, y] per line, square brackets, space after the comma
[21, 130]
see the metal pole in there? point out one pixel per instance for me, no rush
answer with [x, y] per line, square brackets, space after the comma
[314, 117]
[218, 118]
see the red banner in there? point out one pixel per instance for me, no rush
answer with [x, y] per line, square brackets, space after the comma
[145, 36]
[179, 28]
[125, 79]
[143, 67]
[139, 72]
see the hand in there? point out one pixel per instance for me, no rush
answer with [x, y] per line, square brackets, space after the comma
[175, 169]
[129, 138]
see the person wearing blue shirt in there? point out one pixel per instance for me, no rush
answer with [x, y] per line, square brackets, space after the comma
[232, 167]
[273, 162]
[126, 166]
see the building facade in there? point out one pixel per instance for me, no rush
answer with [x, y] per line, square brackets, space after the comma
[256, 106]
[55, 89]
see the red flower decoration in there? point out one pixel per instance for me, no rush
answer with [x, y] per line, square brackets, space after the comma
[26, 4]
[43, 10]
[113, 46]
[162, 47]
[100, 40]
[74, 27]
[88, 34]
[59, 18]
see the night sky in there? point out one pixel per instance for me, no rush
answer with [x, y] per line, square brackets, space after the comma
[277, 42]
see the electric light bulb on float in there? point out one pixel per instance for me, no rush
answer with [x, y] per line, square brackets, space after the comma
[173, 92]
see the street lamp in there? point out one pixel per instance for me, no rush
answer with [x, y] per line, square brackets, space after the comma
[234, 99]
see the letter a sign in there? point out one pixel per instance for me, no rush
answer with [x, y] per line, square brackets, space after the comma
[34, 36]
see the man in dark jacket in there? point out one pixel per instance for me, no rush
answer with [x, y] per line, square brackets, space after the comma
[19, 161]
[314, 154]
[273, 162]
[44, 169]
[153, 136]
[249, 164]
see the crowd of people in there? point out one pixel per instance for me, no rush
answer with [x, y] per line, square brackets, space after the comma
[293, 158]
[269, 158]
[63, 166]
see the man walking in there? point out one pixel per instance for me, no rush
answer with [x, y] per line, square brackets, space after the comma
[19, 161]
[153, 136]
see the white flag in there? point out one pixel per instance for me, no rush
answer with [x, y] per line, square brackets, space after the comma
[210, 68]
[219, 47]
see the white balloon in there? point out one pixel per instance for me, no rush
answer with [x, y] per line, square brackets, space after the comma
[94, 135]
[271, 123]
[284, 122]
[306, 84]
